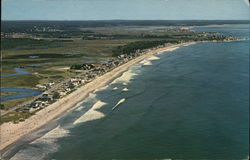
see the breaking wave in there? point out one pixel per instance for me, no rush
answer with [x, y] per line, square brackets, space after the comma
[125, 89]
[118, 103]
[91, 114]
[127, 76]
[146, 63]
[153, 58]
[42, 146]
[168, 50]
[100, 89]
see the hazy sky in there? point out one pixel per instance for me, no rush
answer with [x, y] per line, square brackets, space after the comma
[124, 9]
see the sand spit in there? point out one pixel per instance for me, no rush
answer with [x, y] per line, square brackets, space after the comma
[11, 132]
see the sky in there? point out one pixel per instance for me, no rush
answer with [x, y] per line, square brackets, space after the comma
[125, 9]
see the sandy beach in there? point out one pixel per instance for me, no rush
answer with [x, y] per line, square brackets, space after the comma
[11, 132]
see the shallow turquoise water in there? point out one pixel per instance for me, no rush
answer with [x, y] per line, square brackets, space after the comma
[192, 103]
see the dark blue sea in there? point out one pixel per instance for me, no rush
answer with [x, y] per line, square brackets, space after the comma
[188, 103]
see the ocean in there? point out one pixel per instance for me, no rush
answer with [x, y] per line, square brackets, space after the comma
[188, 103]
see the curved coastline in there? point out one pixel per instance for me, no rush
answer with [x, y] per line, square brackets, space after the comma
[11, 132]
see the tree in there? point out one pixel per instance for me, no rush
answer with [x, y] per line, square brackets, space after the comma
[2, 106]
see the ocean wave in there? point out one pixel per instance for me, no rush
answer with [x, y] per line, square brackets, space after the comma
[101, 89]
[152, 58]
[91, 98]
[129, 75]
[118, 103]
[91, 114]
[168, 50]
[146, 63]
[79, 108]
[42, 146]
[189, 44]
[125, 89]
[126, 77]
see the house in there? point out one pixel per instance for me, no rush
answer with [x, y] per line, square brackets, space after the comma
[45, 97]
[26, 110]
[41, 86]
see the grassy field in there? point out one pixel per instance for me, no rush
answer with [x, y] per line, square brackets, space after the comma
[14, 102]
[15, 117]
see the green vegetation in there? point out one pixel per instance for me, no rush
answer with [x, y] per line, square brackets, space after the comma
[11, 103]
[134, 46]
[2, 106]
[14, 117]
[26, 43]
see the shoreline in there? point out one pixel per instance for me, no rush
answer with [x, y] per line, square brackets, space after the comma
[11, 133]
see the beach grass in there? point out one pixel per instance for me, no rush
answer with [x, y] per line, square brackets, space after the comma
[14, 117]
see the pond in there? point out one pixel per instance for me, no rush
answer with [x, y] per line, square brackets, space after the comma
[18, 71]
[21, 93]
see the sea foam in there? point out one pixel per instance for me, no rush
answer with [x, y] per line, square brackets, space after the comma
[168, 50]
[91, 114]
[101, 89]
[146, 63]
[125, 89]
[118, 103]
[153, 58]
[42, 146]
[126, 77]
[90, 98]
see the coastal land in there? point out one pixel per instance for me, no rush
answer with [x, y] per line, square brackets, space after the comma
[65, 64]
[11, 132]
